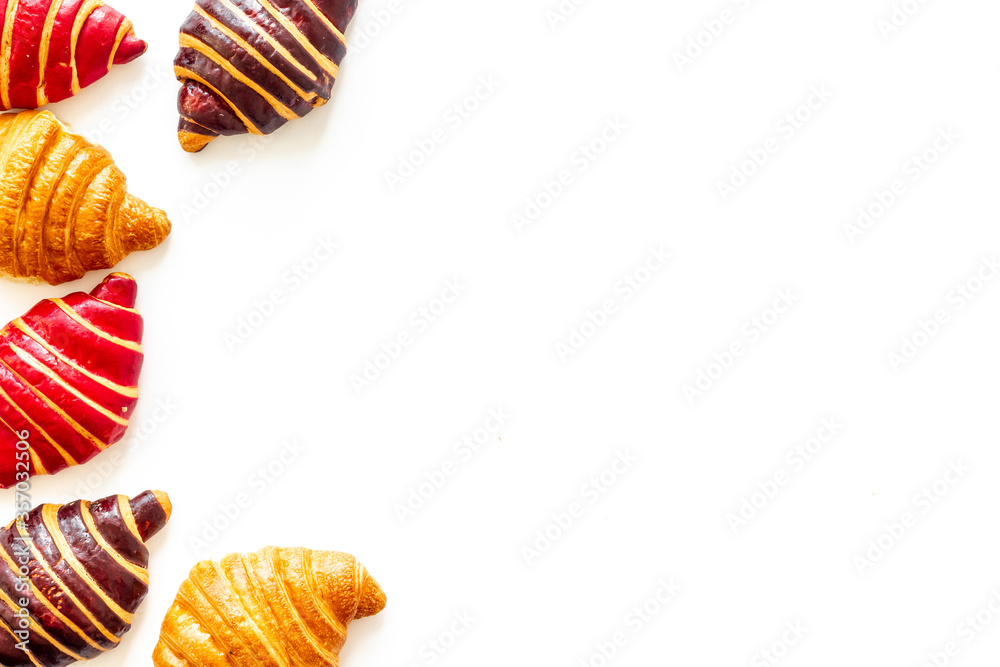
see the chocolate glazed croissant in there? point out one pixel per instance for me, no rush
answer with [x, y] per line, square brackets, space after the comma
[63, 205]
[250, 66]
[72, 576]
[272, 608]
[53, 48]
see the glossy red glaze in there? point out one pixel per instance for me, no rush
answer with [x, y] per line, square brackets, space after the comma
[94, 49]
[69, 370]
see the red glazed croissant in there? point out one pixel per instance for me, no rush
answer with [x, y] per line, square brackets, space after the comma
[52, 48]
[72, 576]
[250, 66]
[69, 370]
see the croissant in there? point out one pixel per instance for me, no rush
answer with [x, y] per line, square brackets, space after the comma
[68, 374]
[72, 576]
[250, 66]
[63, 206]
[272, 608]
[53, 48]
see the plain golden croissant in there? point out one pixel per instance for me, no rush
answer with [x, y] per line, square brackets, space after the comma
[272, 608]
[63, 205]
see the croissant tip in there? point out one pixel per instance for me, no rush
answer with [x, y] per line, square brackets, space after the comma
[151, 511]
[160, 227]
[145, 227]
[118, 288]
[164, 500]
[131, 47]
[193, 142]
[372, 599]
[164, 226]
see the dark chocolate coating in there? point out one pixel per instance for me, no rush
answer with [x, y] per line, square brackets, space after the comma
[79, 587]
[226, 86]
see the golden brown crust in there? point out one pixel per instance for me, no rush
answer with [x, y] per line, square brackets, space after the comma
[63, 205]
[192, 143]
[276, 607]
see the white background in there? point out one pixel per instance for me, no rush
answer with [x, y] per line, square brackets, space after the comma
[656, 185]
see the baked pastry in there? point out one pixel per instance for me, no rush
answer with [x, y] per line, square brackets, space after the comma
[52, 48]
[63, 205]
[250, 66]
[68, 374]
[272, 608]
[72, 576]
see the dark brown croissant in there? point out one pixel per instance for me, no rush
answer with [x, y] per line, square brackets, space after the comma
[72, 576]
[250, 66]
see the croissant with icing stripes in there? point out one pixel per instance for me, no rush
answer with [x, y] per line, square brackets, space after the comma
[51, 49]
[63, 205]
[250, 66]
[69, 370]
[72, 576]
[272, 608]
